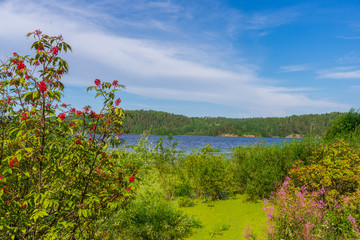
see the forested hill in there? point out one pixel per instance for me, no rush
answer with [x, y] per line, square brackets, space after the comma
[162, 123]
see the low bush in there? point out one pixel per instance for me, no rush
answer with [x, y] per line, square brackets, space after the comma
[149, 216]
[334, 168]
[186, 202]
[258, 167]
[210, 175]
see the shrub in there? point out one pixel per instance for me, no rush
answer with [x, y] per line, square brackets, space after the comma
[149, 216]
[56, 177]
[321, 200]
[334, 167]
[209, 174]
[258, 167]
[186, 202]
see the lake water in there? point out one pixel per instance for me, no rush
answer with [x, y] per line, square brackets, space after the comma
[189, 143]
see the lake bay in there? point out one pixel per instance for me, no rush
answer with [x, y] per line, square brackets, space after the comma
[190, 143]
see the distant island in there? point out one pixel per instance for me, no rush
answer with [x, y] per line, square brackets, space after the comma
[162, 123]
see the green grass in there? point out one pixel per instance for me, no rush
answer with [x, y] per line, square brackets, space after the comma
[228, 219]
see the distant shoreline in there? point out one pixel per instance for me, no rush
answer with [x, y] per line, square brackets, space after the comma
[296, 136]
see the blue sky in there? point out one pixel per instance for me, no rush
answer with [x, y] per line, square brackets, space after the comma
[204, 57]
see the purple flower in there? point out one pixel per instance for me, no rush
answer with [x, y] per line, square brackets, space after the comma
[352, 220]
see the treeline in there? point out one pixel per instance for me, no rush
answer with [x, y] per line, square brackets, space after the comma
[162, 123]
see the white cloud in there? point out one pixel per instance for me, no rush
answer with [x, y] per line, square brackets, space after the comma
[340, 73]
[294, 68]
[149, 66]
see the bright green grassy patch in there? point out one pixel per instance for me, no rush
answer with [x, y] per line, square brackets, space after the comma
[228, 219]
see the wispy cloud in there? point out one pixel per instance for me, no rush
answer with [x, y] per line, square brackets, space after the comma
[294, 68]
[340, 73]
[271, 19]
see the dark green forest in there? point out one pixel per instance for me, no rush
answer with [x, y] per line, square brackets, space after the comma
[162, 123]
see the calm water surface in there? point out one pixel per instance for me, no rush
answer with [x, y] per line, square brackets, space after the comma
[189, 143]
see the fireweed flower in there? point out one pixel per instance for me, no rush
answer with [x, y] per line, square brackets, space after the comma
[352, 220]
[117, 102]
[285, 183]
[97, 82]
[131, 179]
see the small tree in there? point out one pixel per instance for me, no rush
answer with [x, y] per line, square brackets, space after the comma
[56, 177]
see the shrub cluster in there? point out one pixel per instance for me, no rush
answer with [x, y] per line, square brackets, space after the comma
[321, 200]
[207, 174]
[259, 167]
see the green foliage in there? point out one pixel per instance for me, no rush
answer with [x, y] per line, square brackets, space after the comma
[186, 202]
[345, 126]
[321, 199]
[209, 174]
[166, 162]
[161, 123]
[149, 216]
[334, 168]
[56, 177]
[259, 167]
